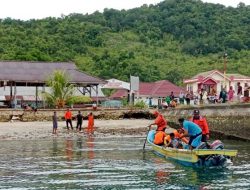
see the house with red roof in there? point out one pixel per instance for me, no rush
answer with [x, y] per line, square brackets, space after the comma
[154, 92]
[215, 79]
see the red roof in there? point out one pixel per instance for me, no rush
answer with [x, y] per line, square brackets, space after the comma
[121, 93]
[161, 88]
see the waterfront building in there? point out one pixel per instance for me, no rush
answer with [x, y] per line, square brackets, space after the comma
[216, 80]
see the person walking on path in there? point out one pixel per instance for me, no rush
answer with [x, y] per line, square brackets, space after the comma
[55, 125]
[79, 118]
[68, 118]
[191, 130]
[90, 127]
[202, 123]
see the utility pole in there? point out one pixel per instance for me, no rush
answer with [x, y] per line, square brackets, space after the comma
[225, 68]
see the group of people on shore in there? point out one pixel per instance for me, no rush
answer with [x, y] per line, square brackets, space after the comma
[204, 96]
[79, 121]
[190, 135]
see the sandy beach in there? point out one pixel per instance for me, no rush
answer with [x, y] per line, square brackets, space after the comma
[41, 130]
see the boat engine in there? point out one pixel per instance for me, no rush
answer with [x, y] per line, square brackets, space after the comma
[216, 160]
[217, 145]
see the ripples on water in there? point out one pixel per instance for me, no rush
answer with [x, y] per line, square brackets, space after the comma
[110, 163]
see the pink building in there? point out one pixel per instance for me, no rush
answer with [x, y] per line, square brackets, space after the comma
[215, 79]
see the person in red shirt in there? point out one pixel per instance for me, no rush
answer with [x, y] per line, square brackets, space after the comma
[202, 122]
[68, 118]
[160, 121]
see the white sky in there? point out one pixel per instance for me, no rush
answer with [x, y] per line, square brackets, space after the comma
[37, 9]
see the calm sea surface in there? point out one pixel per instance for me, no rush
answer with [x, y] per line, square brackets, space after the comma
[110, 163]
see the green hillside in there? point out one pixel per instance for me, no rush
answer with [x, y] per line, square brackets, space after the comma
[173, 40]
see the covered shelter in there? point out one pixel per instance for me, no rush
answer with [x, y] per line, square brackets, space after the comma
[24, 73]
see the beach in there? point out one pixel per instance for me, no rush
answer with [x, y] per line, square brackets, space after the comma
[42, 130]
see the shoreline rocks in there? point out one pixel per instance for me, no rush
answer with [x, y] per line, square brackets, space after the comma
[231, 121]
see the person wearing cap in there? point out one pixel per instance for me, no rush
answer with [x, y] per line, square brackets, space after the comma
[160, 121]
[191, 130]
[202, 123]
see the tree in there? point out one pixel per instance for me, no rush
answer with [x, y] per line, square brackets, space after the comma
[60, 89]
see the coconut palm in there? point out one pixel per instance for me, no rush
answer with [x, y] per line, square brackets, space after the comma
[60, 89]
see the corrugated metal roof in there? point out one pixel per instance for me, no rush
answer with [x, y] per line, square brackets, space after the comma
[159, 89]
[38, 72]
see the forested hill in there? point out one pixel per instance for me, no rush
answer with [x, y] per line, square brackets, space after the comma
[172, 40]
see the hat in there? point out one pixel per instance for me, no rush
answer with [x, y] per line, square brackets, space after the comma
[197, 112]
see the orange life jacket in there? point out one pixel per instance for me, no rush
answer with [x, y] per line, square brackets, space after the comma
[202, 122]
[161, 123]
[176, 135]
[159, 137]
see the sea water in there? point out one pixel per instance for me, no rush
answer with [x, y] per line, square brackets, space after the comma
[110, 163]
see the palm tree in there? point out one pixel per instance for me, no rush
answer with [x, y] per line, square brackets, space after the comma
[60, 89]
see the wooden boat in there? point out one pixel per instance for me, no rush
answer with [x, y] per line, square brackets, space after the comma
[196, 157]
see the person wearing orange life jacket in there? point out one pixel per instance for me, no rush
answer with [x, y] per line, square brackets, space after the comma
[175, 135]
[160, 121]
[202, 123]
[178, 134]
[159, 138]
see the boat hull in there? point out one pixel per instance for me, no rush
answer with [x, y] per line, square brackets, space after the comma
[196, 157]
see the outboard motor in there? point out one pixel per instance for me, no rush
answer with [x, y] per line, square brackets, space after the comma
[217, 145]
[216, 160]
[203, 145]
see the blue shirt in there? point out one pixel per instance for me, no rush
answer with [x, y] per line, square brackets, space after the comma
[192, 128]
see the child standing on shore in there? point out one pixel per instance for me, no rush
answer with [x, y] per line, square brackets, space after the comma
[54, 119]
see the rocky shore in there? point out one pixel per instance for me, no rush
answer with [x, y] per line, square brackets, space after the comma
[225, 121]
[42, 130]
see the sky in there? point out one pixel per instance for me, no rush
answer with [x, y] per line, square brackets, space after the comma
[38, 9]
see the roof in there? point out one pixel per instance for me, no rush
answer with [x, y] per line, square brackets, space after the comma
[209, 73]
[38, 72]
[238, 76]
[120, 94]
[204, 74]
[116, 84]
[161, 88]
